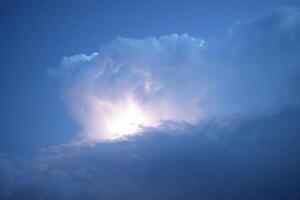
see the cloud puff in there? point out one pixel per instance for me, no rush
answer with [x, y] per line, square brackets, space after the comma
[136, 81]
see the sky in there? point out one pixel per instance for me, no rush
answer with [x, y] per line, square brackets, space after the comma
[36, 35]
[150, 99]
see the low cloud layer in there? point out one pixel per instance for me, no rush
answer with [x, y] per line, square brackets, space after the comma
[221, 119]
[254, 158]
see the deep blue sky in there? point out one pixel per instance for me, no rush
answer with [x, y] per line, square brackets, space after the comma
[35, 35]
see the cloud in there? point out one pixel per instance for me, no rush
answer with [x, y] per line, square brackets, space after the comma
[259, 57]
[224, 117]
[134, 83]
[253, 158]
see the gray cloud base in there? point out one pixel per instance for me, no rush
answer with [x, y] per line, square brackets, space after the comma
[255, 158]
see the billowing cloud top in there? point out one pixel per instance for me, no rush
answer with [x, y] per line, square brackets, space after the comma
[131, 84]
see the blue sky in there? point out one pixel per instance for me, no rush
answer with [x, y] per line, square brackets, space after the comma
[211, 88]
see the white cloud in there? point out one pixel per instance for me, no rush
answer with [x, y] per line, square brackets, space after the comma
[132, 83]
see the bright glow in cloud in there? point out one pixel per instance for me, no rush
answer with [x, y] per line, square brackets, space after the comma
[131, 84]
[117, 119]
[134, 83]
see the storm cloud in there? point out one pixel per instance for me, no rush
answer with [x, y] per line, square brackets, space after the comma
[250, 159]
[181, 78]
[223, 119]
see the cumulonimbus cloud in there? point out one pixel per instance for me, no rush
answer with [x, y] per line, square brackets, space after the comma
[134, 83]
[254, 71]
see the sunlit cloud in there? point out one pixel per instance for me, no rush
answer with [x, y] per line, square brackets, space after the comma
[134, 84]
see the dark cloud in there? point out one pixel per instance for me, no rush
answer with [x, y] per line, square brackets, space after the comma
[248, 158]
